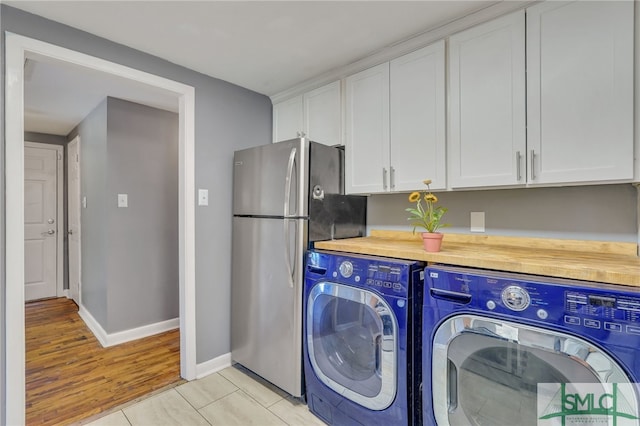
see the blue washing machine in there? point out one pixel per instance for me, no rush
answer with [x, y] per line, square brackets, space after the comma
[511, 349]
[362, 338]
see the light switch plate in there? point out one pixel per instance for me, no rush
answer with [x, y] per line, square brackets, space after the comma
[123, 200]
[477, 222]
[203, 197]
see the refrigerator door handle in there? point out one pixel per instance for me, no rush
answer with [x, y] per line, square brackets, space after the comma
[287, 182]
[287, 251]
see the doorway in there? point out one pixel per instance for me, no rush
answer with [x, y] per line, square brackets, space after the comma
[19, 48]
[43, 242]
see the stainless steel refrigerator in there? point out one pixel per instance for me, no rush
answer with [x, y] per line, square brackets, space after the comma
[285, 196]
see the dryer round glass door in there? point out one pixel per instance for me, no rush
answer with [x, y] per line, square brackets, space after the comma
[486, 371]
[351, 339]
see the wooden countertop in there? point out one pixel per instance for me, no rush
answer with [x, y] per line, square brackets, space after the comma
[606, 262]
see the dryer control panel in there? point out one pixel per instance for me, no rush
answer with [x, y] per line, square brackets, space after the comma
[580, 307]
[383, 275]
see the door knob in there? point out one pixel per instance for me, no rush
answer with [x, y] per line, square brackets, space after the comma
[51, 231]
[50, 221]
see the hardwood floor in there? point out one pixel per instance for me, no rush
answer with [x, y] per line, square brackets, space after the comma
[70, 376]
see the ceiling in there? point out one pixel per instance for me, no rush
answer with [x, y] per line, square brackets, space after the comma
[265, 46]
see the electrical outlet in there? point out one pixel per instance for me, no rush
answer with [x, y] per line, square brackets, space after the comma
[477, 222]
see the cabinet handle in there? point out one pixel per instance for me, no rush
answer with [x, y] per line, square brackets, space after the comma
[533, 165]
[392, 177]
[518, 160]
[384, 178]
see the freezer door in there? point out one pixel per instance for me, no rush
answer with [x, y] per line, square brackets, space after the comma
[271, 180]
[266, 299]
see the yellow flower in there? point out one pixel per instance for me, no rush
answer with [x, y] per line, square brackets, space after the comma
[415, 196]
[426, 214]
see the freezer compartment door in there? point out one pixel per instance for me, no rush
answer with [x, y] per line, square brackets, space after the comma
[271, 180]
[266, 299]
[337, 216]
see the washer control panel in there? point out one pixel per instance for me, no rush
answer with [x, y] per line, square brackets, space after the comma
[595, 309]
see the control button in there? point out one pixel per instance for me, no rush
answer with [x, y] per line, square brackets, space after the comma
[387, 284]
[357, 278]
[346, 269]
[632, 329]
[515, 298]
[572, 320]
[335, 274]
[612, 326]
[491, 305]
[378, 283]
[591, 323]
[397, 286]
[542, 314]
[369, 281]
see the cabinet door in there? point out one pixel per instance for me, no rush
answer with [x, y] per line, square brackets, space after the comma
[287, 119]
[367, 131]
[487, 104]
[580, 91]
[323, 114]
[417, 123]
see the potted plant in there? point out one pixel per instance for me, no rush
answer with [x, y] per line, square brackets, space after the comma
[427, 216]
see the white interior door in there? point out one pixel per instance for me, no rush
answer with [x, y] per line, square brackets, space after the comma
[41, 226]
[73, 217]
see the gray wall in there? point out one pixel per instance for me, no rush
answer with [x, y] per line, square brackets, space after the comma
[93, 179]
[45, 138]
[142, 265]
[129, 255]
[606, 212]
[227, 118]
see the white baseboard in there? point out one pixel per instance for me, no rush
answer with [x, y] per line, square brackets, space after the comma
[113, 339]
[213, 365]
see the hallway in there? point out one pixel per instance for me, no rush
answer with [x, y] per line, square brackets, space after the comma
[70, 376]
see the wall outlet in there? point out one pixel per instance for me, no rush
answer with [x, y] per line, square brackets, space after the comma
[477, 221]
[203, 197]
[123, 200]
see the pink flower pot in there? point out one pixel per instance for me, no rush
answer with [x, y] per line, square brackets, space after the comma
[432, 241]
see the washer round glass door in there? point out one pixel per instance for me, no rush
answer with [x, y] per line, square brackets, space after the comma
[351, 341]
[486, 371]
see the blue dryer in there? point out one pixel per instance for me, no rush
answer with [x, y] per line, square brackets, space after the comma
[361, 315]
[511, 349]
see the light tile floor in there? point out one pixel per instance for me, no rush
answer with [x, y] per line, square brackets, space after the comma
[233, 396]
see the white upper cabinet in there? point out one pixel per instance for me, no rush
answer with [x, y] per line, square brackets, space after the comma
[323, 114]
[317, 115]
[418, 144]
[487, 133]
[580, 91]
[367, 131]
[395, 127]
[287, 119]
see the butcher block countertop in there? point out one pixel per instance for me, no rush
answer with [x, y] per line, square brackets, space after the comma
[599, 261]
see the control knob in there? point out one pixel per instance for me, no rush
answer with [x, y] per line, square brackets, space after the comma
[516, 298]
[346, 269]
